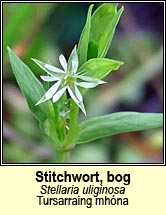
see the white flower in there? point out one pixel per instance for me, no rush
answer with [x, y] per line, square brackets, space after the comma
[66, 80]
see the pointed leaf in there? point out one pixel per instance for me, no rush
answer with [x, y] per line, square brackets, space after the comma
[92, 50]
[84, 39]
[99, 67]
[103, 25]
[30, 87]
[115, 123]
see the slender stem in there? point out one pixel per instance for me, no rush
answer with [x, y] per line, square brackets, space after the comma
[62, 156]
[73, 124]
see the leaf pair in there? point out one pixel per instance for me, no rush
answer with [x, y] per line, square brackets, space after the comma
[98, 32]
[95, 41]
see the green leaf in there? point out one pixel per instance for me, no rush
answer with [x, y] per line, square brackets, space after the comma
[103, 25]
[115, 123]
[84, 39]
[31, 88]
[92, 50]
[99, 67]
[48, 127]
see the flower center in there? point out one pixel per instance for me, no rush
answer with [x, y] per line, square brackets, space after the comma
[69, 80]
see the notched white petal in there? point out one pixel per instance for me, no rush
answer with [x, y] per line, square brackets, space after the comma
[73, 61]
[86, 84]
[49, 78]
[63, 62]
[78, 94]
[39, 63]
[101, 82]
[90, 79]
[76, 99]
[82, 107]
[53, 68]
[42, 65]
[89, 82]
[72, 95]
[43, 99]
[74, 64]
[58, 95]
[49, 94]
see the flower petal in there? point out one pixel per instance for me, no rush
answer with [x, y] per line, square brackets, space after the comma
[41, 65]
[72, 95]
[90, 79]
[49, 78]
[53, 68]
[73, 61]
[74, 64]
[86, 84]
[57, 96]
[78, 94]
[82, 107]
[63, 62]
[49, 94]
[76, 100]
[47, 70]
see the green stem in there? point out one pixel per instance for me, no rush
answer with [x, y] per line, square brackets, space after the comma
[63, 153]
[73, 124]
[62, 156]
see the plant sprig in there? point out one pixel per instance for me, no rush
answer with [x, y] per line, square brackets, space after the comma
[57, 108]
